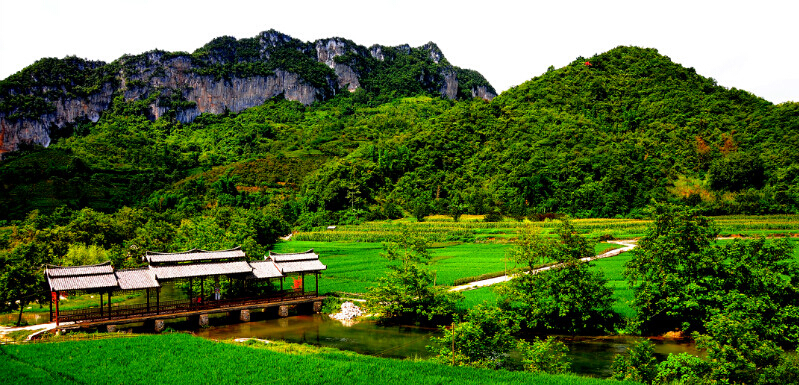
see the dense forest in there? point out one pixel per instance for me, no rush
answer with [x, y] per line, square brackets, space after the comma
[604, 136]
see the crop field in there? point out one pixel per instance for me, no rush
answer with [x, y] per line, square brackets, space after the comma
[473, 229]
[353, 267]
[613, 269]
[184, 359]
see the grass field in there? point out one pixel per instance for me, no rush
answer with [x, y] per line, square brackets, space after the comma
[184, 359]
[353, 267]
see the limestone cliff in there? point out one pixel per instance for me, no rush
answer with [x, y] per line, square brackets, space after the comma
[224, 75]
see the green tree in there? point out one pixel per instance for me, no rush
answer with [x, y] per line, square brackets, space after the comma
[22, 276]
[681, 280]
[568, 297]
[406, 293]
[483, 339]
[736, 353]
[666, 269]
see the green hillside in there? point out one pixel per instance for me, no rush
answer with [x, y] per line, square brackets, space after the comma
[601, 137]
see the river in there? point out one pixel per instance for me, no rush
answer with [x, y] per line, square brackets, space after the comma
[590, 356]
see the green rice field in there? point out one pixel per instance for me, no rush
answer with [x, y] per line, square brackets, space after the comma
[353, 267]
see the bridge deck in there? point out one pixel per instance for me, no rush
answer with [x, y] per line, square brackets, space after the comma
[178, 309]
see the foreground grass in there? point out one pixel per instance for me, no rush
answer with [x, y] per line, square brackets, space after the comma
[184, 359]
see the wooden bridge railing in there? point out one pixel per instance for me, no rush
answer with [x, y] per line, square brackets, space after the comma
[172, 307]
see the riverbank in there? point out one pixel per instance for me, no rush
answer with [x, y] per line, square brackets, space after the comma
[142, 360]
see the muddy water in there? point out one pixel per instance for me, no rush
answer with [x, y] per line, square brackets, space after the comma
[590, 355]
[317, 329]
[31, 318]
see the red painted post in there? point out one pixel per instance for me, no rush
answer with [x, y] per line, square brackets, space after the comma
[57, 298]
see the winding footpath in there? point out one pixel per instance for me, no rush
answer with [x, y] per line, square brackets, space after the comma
[35, 330]
[627, 245]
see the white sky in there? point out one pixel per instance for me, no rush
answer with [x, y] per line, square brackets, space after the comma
[751, 45]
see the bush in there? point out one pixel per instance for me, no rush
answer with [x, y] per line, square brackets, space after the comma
[493, 216]
[547, 356]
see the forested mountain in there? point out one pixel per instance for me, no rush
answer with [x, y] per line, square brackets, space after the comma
[603, 136]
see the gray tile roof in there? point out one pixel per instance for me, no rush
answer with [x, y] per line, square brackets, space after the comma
[67, 271]
[265, 269]
[132, 279]
[83, 282]
[200, 269]
[308, 255]
[100, 276]
[194, 255]
[300, 266]
[297, 262]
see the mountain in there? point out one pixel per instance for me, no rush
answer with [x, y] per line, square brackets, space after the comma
[225, 75]
[601, 137]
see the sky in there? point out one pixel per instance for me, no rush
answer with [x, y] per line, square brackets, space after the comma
[749, 45]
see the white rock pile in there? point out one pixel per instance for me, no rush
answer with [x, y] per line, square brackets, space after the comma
[348, 312]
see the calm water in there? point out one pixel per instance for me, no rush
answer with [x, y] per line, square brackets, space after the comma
[362, 337]
[590, 355]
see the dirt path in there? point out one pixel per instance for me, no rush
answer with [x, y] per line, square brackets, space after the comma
[34, 329]
[627, 245]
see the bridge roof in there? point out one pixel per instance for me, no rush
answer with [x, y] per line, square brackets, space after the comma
[188, 264]
[265, 269]
[194, 255]
[133, 279]
[88, 277]
[297, 262]
[200, 269]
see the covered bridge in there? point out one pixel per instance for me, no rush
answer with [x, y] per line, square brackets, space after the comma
[246, 282]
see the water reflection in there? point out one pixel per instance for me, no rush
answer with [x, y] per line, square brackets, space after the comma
[317, 329]
[591, 356]
[31, 318]
[594, 355]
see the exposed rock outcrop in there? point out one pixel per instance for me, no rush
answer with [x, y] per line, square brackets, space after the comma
[327, 51]
[483, 92]
[225, 75]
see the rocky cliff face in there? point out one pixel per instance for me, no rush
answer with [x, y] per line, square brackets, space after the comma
[225, 75]
[327, 51]
[209, 94]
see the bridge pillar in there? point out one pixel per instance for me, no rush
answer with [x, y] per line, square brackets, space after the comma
[111, 328]
[157, 325]
[244, 315]
[202, 320]
[283, 311]
[317, 306]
